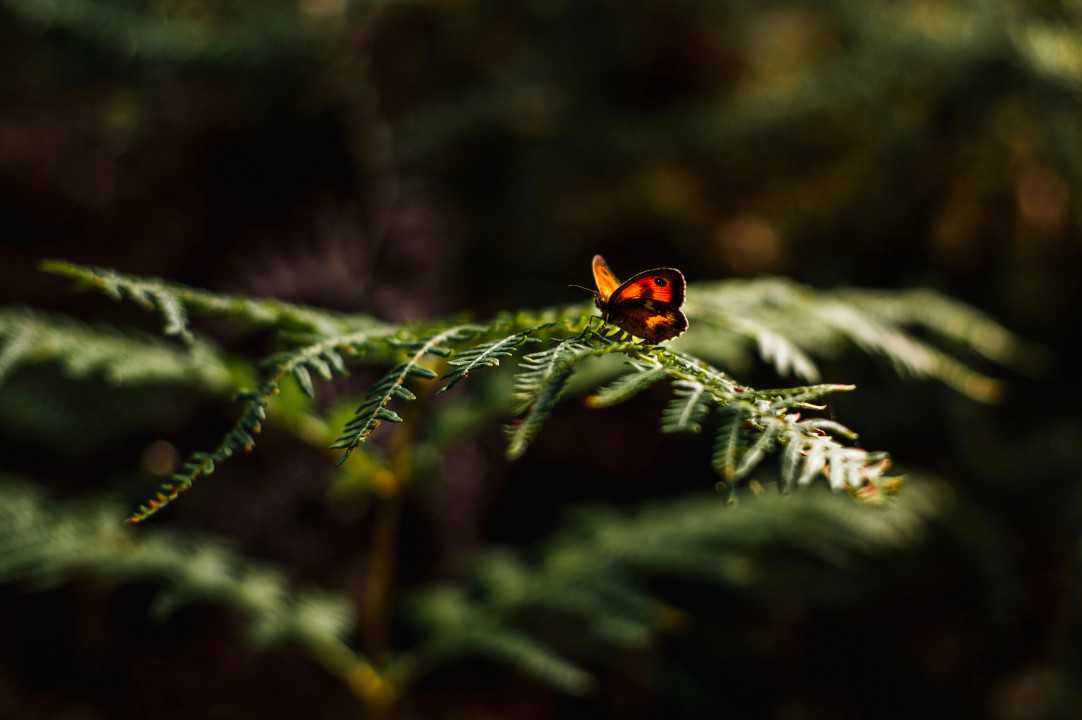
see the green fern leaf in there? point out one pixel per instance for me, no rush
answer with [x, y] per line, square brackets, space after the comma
[28, 337]
[49, 541]
[175, 302]
[906, 354]
[795, 397]
[241, 437]
[727, 445]
[374, 410]
[17, 342]
[626, 387]
[486, 355]
[948, 319]
[791, 458]
[758, 450]
[527, 655]
[304, 380]
[689, 406]
[778, 350]
[609, 573]
[539, 388]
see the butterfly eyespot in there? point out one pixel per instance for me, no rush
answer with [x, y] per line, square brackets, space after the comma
[660, 281]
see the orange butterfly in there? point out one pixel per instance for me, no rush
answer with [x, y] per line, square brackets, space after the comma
[647, 305]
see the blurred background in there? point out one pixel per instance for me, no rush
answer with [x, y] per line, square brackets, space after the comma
[412, 159]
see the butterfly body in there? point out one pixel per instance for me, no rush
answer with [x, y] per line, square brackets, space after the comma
[647, 305]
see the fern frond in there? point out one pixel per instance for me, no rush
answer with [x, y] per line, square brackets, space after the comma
[539, 387]
[908, 355]
[28, 337]
[728, 443]
[148, 294]
[44, 541]
[778, 350]
[757, 420]
[17, 344]
[605, 576]
[241, 436]
[626, 387]
[681, 366]
[768, 429]
[487, 355]
[174, 302]
[375, 408]
[787, 321]
[795, 397]
[947, 318]
[520, 651]
[264, 36]
[689, 406]
[784, 317]
[811, 450]
[750, 430]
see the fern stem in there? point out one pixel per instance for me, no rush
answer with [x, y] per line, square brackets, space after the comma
[372, 689]
[379, 583]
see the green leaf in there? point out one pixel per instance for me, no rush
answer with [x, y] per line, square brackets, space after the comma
[373, 411]
[538, 388]
[689, 406]
[304, 380]
[626, 387]
[486, 355]
[727, 444]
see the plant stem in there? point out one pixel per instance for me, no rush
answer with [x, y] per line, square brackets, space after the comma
[379, 585]
[375, 619]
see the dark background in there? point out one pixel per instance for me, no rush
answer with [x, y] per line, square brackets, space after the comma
[437, 157]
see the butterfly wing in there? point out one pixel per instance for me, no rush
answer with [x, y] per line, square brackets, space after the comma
[653, 322]
[604, 278]
[662, 286]
[647, 305]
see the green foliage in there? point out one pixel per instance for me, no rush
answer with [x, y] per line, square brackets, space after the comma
[539, 387]
[626, 387]
[46, 542]
[486, 355]
[175, 302]
[598, 575]
[323, 355]
[689, 406]
[822, 138]
[786, 322]
[948, 319]
[270, 34]
[791, 323]
[30, 338]
[374, 410]
[599, 580]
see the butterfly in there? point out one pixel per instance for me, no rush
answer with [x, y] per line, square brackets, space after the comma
[647, 305]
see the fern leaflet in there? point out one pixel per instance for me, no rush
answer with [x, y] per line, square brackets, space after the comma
[375, 408]
[486, 355]
[690, 404]
[626, 387]
[539, 388]
[727, 445]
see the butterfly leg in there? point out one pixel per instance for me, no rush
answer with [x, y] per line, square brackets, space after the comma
[588, 329]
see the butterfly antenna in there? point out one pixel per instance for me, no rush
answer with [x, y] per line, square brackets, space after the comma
[580, 287]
